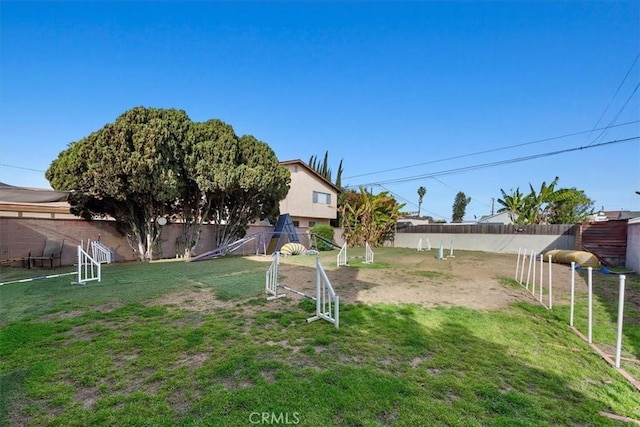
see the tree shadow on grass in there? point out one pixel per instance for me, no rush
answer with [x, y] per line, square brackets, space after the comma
[606, 289]
[384, 367]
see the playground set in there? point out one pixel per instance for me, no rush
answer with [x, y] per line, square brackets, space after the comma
[268, 242]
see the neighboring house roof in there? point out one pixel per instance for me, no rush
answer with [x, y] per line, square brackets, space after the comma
[498, 218]
[312, 171]
[613, 215]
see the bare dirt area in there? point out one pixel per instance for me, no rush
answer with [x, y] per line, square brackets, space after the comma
[470, 279]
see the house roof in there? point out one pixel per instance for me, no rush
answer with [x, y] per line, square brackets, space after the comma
[622, 214]
[312, 171]
[20, 195]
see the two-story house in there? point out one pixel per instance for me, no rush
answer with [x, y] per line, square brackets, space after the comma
[312, 199]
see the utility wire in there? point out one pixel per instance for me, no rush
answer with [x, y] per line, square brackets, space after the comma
[397, 196]
[491, 150]
[20, 167]
[614, 97]
[617, 115]
[492, 164]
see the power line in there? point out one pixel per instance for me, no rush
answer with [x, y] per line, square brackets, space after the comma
[617, 115]
[498, 163]
[20, 167]
[613, 97]
[491, 150]
[397, 196]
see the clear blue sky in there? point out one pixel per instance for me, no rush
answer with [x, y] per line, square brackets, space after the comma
[382, 85]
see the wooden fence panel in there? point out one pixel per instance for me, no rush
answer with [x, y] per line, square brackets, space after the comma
[607, 240]
[539, 229]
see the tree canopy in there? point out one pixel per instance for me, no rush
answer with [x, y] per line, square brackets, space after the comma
[548, 205]
[157, 162]
[460, 206]
[367, 217]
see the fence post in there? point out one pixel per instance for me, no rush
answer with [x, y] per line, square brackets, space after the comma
[620, 320]
[550, 284]
[517, 264]
[590, 305]
[573, 291]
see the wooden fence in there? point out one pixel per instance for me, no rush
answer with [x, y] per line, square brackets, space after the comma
[541, 229]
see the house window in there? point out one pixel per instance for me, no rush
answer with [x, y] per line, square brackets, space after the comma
[296, 223]
[312, 224]
[324, 198]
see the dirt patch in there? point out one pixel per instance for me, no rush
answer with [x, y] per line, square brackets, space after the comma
[466, 280]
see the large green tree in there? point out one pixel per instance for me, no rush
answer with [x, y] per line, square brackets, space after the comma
[238, 180]
[128, 170]
[367, 217]
[460, 206]
[157, 162]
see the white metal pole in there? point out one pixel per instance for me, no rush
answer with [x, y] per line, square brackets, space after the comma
[550, 284]
[451, 249]
[533, 280]
[573, 291]
[541, 274]
[428, 244]
[80, 263]
[620, 320]
[517, 264]
[524, 256]
[529, 270]
[590, 305]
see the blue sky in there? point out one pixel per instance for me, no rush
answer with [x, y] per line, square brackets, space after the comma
[385, 86]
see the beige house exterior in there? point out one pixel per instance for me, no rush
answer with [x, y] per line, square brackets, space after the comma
[312, 199]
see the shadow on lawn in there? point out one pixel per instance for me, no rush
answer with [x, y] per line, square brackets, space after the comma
[606, 288]
[452, 376]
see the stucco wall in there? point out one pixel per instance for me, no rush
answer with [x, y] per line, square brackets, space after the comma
[633, 245]
[498, 243]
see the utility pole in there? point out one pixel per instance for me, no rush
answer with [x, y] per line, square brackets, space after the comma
[492, 200]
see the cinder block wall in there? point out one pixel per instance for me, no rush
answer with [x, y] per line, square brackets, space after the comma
[19, 236]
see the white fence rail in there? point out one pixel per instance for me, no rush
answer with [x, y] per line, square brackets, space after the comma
[271, 283]
[368, 253]
[327, 302]
[101, 253]
[342, 256]
[88, 268]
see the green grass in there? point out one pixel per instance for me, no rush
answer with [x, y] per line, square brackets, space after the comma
[104, 355]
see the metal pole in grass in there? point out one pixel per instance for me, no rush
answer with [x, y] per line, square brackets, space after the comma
[529, 270]
[573, 291]
[524, 256]
[541, 275]
[590, 304]
[550, 285]
[620, 320]
[533, 281]
[517, 264]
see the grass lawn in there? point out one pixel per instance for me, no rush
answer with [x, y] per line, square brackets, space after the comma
[120, 353]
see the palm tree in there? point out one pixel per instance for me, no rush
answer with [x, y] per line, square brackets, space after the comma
[421, 192]
[513, 203]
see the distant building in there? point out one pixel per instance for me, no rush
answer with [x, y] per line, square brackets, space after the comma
[499, 218]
